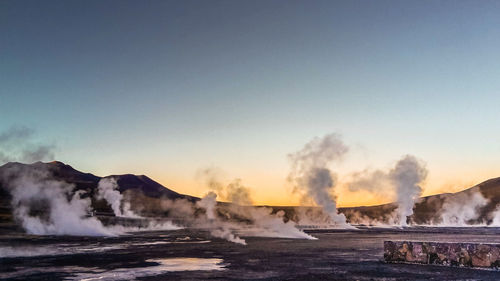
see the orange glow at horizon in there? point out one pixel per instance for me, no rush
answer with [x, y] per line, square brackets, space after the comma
[268, 186]
[275, 192]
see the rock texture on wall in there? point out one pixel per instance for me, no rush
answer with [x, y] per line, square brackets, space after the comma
[453, 254]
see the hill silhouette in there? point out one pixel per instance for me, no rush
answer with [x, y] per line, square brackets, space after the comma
[150, 195]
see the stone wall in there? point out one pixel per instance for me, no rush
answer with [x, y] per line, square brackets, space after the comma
[453, 254]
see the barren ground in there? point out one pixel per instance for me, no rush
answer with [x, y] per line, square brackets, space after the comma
[336, 255]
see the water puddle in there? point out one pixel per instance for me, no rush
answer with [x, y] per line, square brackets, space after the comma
[71, 249]
[188, 264]
[158, 266]
[54, 250]
[163, 266]
[172, 242]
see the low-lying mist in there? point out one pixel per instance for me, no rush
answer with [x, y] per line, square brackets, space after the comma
[46, 205]
[241, 216]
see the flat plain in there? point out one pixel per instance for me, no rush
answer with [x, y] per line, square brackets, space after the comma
[191, 254]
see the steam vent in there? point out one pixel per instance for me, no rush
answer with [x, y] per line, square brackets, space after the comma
[451, 254]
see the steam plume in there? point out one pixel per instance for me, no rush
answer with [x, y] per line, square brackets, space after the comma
[33, 191]
[406, 176]
[46, 206]
[310, 173]
[496, 217]
[208, 203]
[462, 209]
[18, 144]
[14, 134]
[108, 190]
[376, 182]
[242, 215]
[218, 229]
[262, 222]
[238, 194]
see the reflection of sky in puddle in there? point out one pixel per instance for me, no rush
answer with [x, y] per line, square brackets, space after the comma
[53, 250]
[71, 249]
[183, 264]
[161, 266]
[164, 266]
[168, 242]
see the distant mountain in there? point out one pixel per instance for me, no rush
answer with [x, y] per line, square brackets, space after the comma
[427, 209]
[64, 172]
[149, 195]
[141, 185]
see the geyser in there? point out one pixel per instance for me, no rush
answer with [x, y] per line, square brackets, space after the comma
[241, 216]
[311, 175]
[108, 190]
[406, 176]
[46, 206]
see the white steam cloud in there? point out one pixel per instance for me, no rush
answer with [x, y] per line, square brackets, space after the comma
[33, 192]
[108, 190]
[208, 203]
[46, 206]
[406, 176]
[496, 217]
[462, 209]
[402, 182]
[311, 174]
[217, 228]
[241, 216]
[375, 182]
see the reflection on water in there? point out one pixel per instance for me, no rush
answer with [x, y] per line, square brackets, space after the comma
[168, 242]
[158, 266]
[54, 250]
[183, 264]
[163, 266]
[77, 248]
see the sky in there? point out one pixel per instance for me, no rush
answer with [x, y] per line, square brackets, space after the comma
[168, 88]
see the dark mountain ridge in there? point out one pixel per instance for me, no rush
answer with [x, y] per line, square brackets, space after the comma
[86, 182]
[150, 194]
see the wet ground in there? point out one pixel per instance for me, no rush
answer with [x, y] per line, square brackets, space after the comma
[189, 254]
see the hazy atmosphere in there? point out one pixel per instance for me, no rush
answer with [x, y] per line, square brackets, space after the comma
[169, 88]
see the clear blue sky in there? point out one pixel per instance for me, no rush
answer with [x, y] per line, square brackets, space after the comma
[168, 87]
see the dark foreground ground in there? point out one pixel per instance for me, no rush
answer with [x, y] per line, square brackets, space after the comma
[336, 255]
